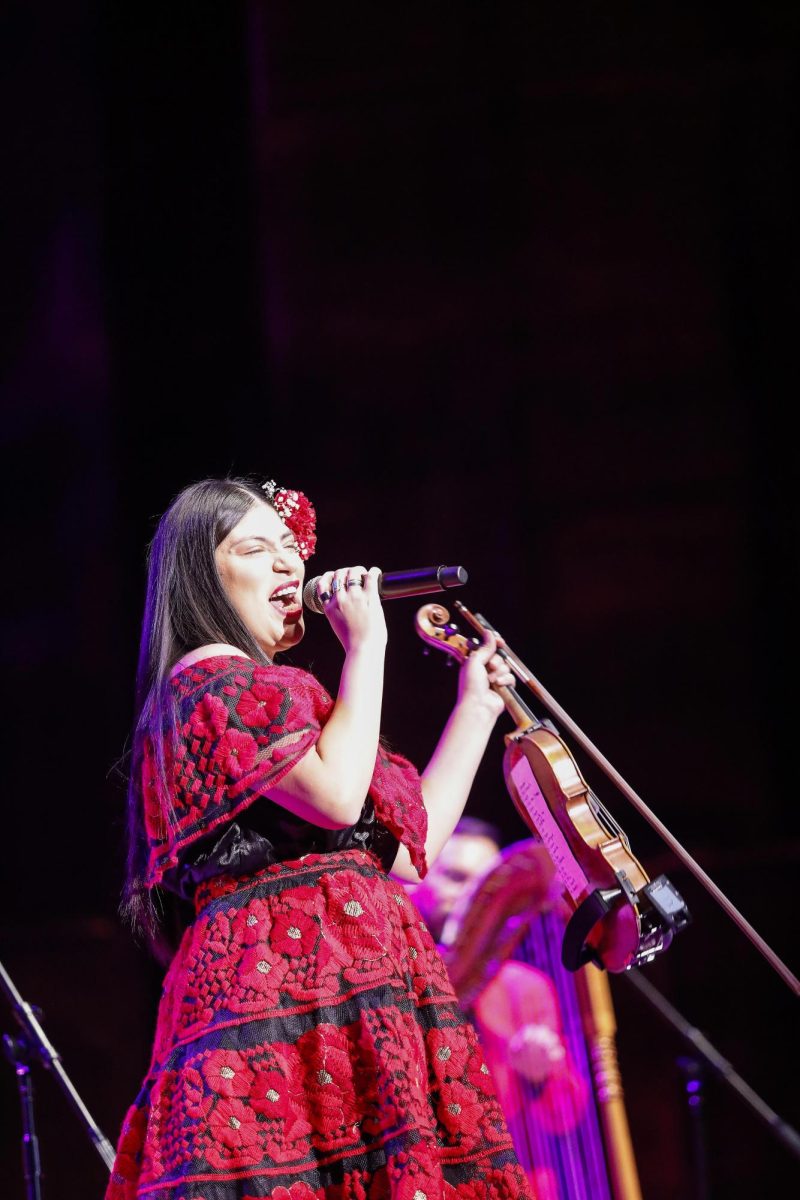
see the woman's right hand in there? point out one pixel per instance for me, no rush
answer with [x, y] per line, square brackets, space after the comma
[329, 784]
[351, 602]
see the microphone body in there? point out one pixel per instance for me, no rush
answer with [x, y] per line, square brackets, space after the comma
[420, 581]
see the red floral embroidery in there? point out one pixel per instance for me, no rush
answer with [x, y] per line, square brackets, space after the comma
[397, 795]
[425, 965]
[228, 1073]
[297, 1191]
[236, 753]
[392, 1043]
[129, 1151]
[356, 925]
[381, 1186]
[164, 1106]
[244, 725]
[233, 1127]
[196, 1106]
[307, 1020]
[449, 1051]
[330, 1095]
[409, 1175]
[209, 718]
[260, 704]
[294, 933]
[201, 979]
[259, 976]
[252, 923]
[459, 1110]
[356, 1187]
[479, 1075]
[154, 820]
[506, 1183]
[270, 1094]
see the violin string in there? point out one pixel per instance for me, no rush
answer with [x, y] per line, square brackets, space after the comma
[540, 1106]
[565, 1123]
[591, 1133]
[575, 1139]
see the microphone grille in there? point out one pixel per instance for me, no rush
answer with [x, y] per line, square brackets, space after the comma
[310, 597]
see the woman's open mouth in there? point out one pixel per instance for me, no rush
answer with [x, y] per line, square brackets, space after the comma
[286, 599]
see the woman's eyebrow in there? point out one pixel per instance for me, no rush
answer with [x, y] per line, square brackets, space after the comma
[253, 537]
[286, 538]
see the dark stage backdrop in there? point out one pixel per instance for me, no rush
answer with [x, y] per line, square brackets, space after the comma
[504, 286]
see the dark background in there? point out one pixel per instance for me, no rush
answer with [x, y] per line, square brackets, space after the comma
[509, 286]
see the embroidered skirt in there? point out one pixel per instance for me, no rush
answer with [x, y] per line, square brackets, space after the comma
[309, 1045]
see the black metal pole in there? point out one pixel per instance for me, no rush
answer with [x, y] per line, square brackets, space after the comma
[694, 1085]
[18, 1053]
[709, 1055]
[38, 1046]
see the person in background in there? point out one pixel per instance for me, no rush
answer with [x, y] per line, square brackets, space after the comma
[516, 1010]
[308, 1042]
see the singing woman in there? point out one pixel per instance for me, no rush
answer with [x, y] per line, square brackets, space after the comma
[308, 1043]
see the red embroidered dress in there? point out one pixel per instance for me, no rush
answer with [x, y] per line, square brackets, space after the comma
[308, 1041]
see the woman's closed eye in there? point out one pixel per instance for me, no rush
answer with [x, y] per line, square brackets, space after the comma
[259, 547]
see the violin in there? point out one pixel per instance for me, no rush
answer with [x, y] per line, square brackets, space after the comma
[619, 917]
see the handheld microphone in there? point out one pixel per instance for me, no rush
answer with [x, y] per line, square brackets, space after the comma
[418, 582]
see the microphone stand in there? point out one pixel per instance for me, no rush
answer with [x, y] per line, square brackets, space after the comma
[694, 1089]
[22, 1050]
[704, 1054]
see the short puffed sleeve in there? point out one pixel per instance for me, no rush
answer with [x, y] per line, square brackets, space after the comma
[241, 727]
[396, 792]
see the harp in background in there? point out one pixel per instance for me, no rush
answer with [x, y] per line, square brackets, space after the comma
[563, 1101]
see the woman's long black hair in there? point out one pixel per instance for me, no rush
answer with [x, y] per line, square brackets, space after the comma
[185, 607]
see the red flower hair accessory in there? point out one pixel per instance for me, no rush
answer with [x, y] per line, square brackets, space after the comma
[297, 513]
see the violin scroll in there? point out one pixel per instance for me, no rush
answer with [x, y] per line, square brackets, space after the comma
[434, 626]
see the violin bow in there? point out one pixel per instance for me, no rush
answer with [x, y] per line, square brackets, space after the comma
[524, 675]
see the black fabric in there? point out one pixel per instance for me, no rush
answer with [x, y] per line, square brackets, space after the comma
[267, 833]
